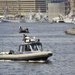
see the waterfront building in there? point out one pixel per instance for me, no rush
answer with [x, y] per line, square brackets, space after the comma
[66, 2]
[63, 9]
[72, 7]
[54, 1]
[55, 10]
[22, 6]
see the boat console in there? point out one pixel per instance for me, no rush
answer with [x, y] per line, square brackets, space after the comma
[30, 45]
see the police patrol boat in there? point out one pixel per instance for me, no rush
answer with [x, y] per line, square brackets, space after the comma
[30, 50]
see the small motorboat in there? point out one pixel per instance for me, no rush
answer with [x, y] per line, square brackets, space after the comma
[21, 30]
[31, 49]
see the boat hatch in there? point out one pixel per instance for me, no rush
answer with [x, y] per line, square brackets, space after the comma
[30, 47]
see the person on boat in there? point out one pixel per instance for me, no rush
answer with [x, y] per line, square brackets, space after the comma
[27, 30]
[11, 52]
[26, 38]
[20, 29]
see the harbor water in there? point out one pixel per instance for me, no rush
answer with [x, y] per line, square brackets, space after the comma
[52, 37]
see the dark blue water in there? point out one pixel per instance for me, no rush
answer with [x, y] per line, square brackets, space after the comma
[53, 38]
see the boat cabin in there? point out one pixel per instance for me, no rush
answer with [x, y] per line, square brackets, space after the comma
[36, 46]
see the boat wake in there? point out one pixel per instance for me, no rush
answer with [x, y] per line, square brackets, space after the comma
[6, 60]
[30, 61]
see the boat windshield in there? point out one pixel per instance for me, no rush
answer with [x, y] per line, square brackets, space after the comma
[36, 47]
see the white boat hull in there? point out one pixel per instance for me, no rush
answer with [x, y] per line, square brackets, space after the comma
[27, 56]
[7, 20]
[68, 20]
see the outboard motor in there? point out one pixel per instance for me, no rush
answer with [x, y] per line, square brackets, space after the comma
[11, 52]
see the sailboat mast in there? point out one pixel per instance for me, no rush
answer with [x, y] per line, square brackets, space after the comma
[6, 9]
[18, 2]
